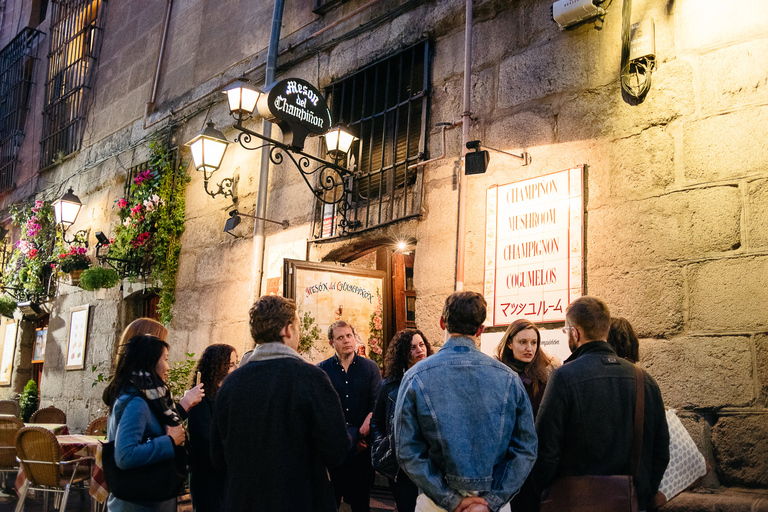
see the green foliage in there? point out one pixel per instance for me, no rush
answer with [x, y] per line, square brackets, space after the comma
[29, 267]
[98, 277]
[376, 339]
[7, 306]
[103, 373]
[29, 401]
[309, 332]
[178, 375]
[152, 222]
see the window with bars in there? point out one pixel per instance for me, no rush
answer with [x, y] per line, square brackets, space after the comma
[385, 105]
[75, 38]
[17, 64]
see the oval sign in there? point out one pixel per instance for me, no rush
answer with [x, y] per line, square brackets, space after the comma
[299, 109]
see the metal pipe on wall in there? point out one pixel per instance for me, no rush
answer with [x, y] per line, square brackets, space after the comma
[466, 119]
[153, 97]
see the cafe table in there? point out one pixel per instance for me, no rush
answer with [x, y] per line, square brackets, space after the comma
[75, 447]
[58, 429]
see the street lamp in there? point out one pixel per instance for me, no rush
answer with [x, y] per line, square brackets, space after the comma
[243, 98]
[208, 149]
[66, 208]
[338, 141]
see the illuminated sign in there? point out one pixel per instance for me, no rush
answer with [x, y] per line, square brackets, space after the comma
[299, 109]
[533, 248]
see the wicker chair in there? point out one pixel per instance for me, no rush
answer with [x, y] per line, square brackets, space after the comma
[49, 415]
[10, 407]
[9, 426]
[98, 427]
[39, 453]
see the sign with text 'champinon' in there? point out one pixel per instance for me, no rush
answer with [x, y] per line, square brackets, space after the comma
[534, 247]
[299, 109]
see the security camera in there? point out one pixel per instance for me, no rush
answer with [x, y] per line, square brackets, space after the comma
[570, 12]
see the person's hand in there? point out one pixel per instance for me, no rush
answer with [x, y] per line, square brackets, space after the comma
[365, 428]
[472, 504]
[192, 397]
[361, 446]
[178, 436]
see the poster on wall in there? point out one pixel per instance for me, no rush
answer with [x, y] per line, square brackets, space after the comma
[38, 354]
[78, 332]
[325, 293]
[534, 247]
[9, 347]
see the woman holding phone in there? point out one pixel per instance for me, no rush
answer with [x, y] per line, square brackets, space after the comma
[205, 483]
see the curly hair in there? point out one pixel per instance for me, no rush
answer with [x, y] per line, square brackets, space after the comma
[623, 339]
[213, 367]
[537, 368]
[399, 353]
[268, 316]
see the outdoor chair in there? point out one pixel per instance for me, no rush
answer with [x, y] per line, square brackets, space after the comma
[39, 453]
[9, 426]
[98, 427]
[49, 415]
[10, 407]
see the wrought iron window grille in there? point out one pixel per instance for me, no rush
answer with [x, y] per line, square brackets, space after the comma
[17, 68]
[75, 41]
[386, 106]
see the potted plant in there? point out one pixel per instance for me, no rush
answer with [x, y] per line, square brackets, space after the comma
[7, 306]
[73, 262]
[95, 278]
[29, 401]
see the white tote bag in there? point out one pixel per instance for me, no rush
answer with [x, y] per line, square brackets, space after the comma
[686, 463]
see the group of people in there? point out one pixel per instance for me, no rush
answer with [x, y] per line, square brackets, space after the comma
[452, 431]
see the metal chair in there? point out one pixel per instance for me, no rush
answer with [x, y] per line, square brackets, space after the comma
[39, 453]
[98, 427]
[9, 426]
[49, 415]
[10, 407]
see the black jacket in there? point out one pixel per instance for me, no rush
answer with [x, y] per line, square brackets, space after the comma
[382, 447]
[586, 420]
[277, 426]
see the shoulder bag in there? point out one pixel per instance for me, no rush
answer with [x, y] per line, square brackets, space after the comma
[160, 481]
[592, 493]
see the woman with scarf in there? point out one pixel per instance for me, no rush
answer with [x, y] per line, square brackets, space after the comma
[520, 349]
[407, 348]
[144, 422]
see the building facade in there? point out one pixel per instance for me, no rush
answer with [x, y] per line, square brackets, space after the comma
[673, 186]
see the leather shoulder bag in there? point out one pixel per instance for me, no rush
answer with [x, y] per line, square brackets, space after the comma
[160, 481]
[593, 493]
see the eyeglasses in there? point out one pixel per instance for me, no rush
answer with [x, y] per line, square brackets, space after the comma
[567, 328]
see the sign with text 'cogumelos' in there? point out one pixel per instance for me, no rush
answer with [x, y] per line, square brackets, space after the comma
[533, 247]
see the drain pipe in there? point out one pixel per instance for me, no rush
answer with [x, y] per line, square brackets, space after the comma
[151, 103]
[257, 260]
[466, 119]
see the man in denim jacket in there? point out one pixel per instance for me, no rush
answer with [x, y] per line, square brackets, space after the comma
[464, 428]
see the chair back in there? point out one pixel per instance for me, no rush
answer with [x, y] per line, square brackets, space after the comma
[9, 426]
[39, 454]
[49, 415]
[98, 427]
[10, 407]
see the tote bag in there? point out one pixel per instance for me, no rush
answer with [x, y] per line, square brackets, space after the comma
[686, 463]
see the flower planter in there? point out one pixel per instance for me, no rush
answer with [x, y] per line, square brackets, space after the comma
[74, 277]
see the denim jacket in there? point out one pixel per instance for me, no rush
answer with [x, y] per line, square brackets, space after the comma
[463, 425]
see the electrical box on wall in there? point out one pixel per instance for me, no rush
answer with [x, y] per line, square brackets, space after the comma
[642, 40]
[570, 12]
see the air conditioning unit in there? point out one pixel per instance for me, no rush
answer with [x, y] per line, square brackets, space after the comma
[570, 12]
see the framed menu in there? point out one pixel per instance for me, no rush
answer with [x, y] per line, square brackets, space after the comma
[78, 333]
[9, 347]
[38, 354]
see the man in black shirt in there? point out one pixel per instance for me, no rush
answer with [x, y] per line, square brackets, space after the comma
[357, 380]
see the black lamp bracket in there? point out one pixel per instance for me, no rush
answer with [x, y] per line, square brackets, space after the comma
[80, 237]
[476, 145]
[227, 187]
[123, 267]
[284, 223]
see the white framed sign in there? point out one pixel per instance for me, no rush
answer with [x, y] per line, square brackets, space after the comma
[78, 334]
[9, 347]
[534, 247]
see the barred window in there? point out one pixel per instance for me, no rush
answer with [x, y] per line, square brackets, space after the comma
[17, 64]
[75, 39]
[386, 106]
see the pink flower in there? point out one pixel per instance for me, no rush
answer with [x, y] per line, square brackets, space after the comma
[135, 210]
[32, 253]
[142, 176]
[377, 323]
[122, 203]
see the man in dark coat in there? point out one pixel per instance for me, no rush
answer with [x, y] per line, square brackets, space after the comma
[586, 419]
[278, 423]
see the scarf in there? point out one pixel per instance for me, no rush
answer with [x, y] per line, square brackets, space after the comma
[157, 395]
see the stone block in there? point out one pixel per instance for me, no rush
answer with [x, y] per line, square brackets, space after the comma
[224, 264]
[761, 355]
[740, 135]
[757, 214]
[741, 447]
[449, 56]
[343, 59]
[638, 232]
[642, 164]
[651, 299]
[728, 294]
[701, 433]
[711, 23]
[494, 38]
[734, 76]
[483, 93]
[525, 129]
[447, 102]
[700, 372]
[237, 334]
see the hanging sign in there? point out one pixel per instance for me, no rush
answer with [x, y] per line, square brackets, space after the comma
[533, 250]
[299, 109]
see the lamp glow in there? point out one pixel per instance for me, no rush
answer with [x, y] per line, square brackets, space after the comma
[208, 149]
[338, 141]
[66, 208]
[242, 98]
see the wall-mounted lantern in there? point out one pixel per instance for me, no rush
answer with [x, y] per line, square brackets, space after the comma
[208, 149]
[66, 208]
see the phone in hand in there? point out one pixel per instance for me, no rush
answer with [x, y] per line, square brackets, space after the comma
[199, 376]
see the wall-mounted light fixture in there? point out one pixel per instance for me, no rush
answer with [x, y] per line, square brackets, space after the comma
[234, 220]
[123, 267]
[476, 161]
[65, 209]
[208, 149]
